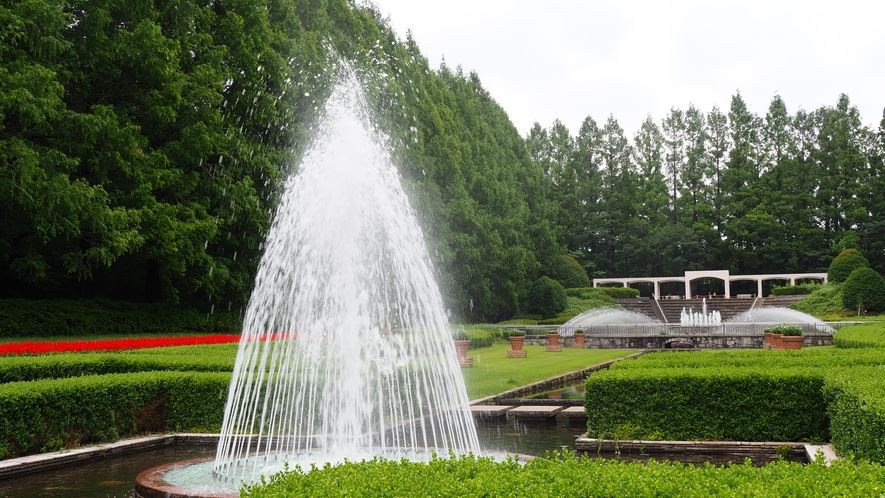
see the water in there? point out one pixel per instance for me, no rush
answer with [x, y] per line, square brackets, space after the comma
[607, 316]
[694, 318]
[774, 315]
[346, 347]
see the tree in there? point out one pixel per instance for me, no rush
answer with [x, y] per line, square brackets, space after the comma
[864, 290]
[844, 264]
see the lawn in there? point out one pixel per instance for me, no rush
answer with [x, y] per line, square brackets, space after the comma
[493, 373]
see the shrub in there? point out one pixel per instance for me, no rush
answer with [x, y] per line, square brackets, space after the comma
[620, 292]
[795, 290]
[864, 288]
[856, 406]
[568, 272]
[785, 330]
[563, 475]
[557, 320]
[846, 262]
[763, 404]
[868, 335]
[547, 297]
[50, 415]
[822, 302]
[516, 333]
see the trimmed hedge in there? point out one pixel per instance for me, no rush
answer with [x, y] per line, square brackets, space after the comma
[567, 271]
[865, 287]
[746, 404]
[846, 262]
[547, 297]
[50, 415]
[566, 477]
[620, 292]
[856, 406]
[24, 318]
[483, 337]
[795, 290]
[216, 358]
[867, 335]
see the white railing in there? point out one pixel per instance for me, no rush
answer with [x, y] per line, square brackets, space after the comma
[652, 329]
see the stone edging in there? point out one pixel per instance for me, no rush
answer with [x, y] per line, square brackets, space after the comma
[549, 384]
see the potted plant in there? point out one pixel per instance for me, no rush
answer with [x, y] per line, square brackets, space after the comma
[462, 343]
[553, 342]
[792, 337]
[517, 339]
[579, 338]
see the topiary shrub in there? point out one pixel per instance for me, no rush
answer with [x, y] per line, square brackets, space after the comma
[864, 288]
[846, 262]
[567, 271]
[547, 297]
[620, 292]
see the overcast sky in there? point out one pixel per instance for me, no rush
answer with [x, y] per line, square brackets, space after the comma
[546, 60]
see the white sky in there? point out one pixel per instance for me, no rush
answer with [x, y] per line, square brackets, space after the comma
[568, 59]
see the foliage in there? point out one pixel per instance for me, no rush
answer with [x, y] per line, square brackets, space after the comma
[51, 318]
[568, 272]
[48, 415]
[763, 404]
[868, 335]
[795, 290]
[822, 302]
[483, 336]
[620, 292]
[846, 262]
[213, 358]
[785, 330]
[546, 297]
[516, 333]
[556, 320]
[855, 400]
[864, 288]
[561, 474]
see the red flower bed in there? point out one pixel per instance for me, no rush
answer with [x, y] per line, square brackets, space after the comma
[43, 347]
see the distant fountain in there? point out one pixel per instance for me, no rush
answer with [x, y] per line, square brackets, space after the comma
[607, 316]
[692, 318]
[346, 351]
[779, 315]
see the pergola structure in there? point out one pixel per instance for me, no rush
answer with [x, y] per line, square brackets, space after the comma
[724, 275]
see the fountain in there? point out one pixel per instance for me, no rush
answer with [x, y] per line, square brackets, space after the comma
[346, 350]
[691, 318]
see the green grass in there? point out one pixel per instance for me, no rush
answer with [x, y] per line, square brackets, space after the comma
[493, 373]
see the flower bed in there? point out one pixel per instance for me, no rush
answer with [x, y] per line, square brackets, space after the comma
[46, 347]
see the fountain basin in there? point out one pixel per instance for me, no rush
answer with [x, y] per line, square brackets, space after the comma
[152, 484]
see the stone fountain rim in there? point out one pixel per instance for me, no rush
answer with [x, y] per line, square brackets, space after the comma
[150, 483]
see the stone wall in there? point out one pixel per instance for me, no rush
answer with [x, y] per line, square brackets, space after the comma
[687, 341]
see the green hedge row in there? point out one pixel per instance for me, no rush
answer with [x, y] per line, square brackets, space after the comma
[50, 415]
[856, 406]
[620, 292]
[795, 290]
[747, 404]
[483, 337]
[566, 477]
[867, 335]
[23, 318]
[823, 357]
[213, 358]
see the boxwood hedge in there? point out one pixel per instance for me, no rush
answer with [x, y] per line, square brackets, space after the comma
[53, 414]
[715, 403]
[856, 406]
[867, 335]
[564, 476]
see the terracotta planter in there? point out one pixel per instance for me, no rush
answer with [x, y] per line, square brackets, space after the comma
[579, 341]
[516, 342]
[769, 340]
[461, 346]
[552, 340]
[774, 340]
[792, 341]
